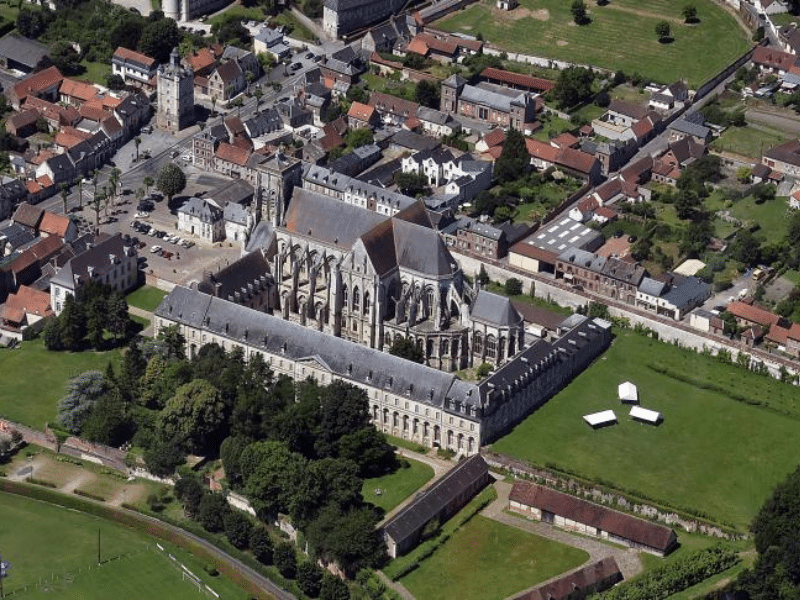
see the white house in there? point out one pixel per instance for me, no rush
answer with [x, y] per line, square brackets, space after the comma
[202, 218]
[131, 65]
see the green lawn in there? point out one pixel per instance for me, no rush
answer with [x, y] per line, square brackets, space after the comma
[750, 141]
[711, 453]
[146, 297]
[96, 72]
[397, 486]
[55, 545]
[298, 30]
[238, 12]
[33, 379]
[620, 36]
[486, 560]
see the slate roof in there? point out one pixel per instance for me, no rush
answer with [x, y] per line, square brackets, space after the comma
[612, 267]
[28, 215]
[687, 290]
[201, 209]
[788, 152]
[421, 249]
[634, 111]
[435, 499]
[328, 220]
[16, 235]
[413, 141]
[494, 309]
[236, 192]
[235, 213]
[23, 50]
[347, 360]
[652, 287]
[687, 127]
[76, 270]
[250, 269]
[261, 237]
[493, 99]
[620, 524]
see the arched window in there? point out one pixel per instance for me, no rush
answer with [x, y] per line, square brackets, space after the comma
[491, 346]
[477, 343]
[356, 299]
[512, 345]
[366, 303]
[345, 298]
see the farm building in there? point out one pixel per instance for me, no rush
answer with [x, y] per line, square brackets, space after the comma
[576, 514]
[446, 497]
[594, 578]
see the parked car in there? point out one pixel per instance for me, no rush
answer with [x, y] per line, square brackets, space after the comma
[155, 249]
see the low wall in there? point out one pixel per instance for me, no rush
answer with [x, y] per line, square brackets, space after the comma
[601, 495]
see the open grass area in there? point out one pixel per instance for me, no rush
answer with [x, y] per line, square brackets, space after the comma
[146, 297]
[486, 560]
[239, 12]
[396, 487]
[96, 72]
[712, 453]
[621, 35]
[33, 379]
[772, 216]
[298, 30]
[58, 546]
[750, 141]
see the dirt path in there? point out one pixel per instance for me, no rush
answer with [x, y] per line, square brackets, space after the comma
[76, 482]
[627, 559]
[27, 470]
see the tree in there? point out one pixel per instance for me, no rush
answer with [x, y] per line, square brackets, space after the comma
[663, 31]
[261, 544]
[427, 94]
[514, 160]
[743, 174]
[230, 452]
[212, 512]
[65, 58]
[148, 182]
[83, 392]
[333, 588]
[745, 248]
[237, 529]
[350, 538]
[213, 105]
[171, 180]
[689, 13]
[271, 472]
[512, 287]
[137, 142]
[309, 578]
[483, 276]
[113, 180]
[159, 38]
[579, 13]
[174, 342]
[194, 417]
[190, 492]
[97, 204]
[108, 421]
[411, 184]
[285, 559]
[573, 86]
[64, 196]
[362, 136]
[406, 347]
[115, 82]
[162, 456]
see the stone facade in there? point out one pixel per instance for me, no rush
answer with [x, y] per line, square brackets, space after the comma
[341, 17]
[175, 95]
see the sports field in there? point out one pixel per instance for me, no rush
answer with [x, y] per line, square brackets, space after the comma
[53, 553]
[713, 452]
[486, 560]
[621, 35]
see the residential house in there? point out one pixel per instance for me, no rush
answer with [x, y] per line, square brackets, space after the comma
[23, 123]
[26, 267]
[672, 295]
[227, 80]
[29, 217]
[436, 123]
[390, 37]
[393, 110]
[362, 115]
[576, 514]
[110, 261]
[57, 225]
[270, 41]
[134, 67]
[773, 61]
[43, 84]
[469, 236]
[202, 218]
[669, 97]
[22, 309]
[612, 277]
[690, 125]
[341, 69]
[784, 158]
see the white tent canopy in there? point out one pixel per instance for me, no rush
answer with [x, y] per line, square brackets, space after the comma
[597, 419]
[628, 392]
[643, 414]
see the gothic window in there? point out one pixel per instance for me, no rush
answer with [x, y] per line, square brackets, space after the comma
[491, 346]
[345, 297]
[477, 343]
[512, 345]
[356, 300]
[501, 349]
[366, 303]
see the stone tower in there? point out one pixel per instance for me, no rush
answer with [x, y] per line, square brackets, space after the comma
[175, 95]
[451, 90]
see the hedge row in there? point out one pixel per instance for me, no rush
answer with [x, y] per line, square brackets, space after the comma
[683, 573]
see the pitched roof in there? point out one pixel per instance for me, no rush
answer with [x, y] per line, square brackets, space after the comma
[620, 524]
[38, 82]
[22, 50]
[576, 160]
[494, 138]
[788, 152]
[126, 55]
[529, 82]
[28, 215]
[229, 71]
[54, 224]
[231, 153]
[362, 112]
[392, 104]
[78, 89]
[628, 109]
[773, 59]
[604, 572]
[752, 313]
[201, 59]
[494, 309]
[541, 151]
[27, 300]
[430, 503]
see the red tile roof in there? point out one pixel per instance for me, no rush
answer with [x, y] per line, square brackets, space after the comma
[27, 300]
[536, 84]
[620, 524]
[565, 140]
[774, 59]
[138, 57]
[54, 224]
[361, 112]
[38, 82]
[590, 579]
[78, 89]
[541, 151]
[494, 138]
[201, 59]
[582, 162]
[230, 153]
[752, 314]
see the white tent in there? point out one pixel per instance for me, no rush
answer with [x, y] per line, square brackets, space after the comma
[598, 419]
[628, 393]
[645, 415]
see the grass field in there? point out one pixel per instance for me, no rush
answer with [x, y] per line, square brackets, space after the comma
[57, 546]
[772, 215]
[751, 141]
[33, 379]
[396, 486]
[146, 297]
[620, 36]
[486, 560]
[712, 453]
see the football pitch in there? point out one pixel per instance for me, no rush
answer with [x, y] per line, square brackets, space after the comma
[728, 436]
[53, 553]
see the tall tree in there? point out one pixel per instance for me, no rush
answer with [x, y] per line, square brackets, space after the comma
[663, 31]
[514, 160]
[83, 392]
[194, 417]
[171, 180]
[159, 38]
[271, 472]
